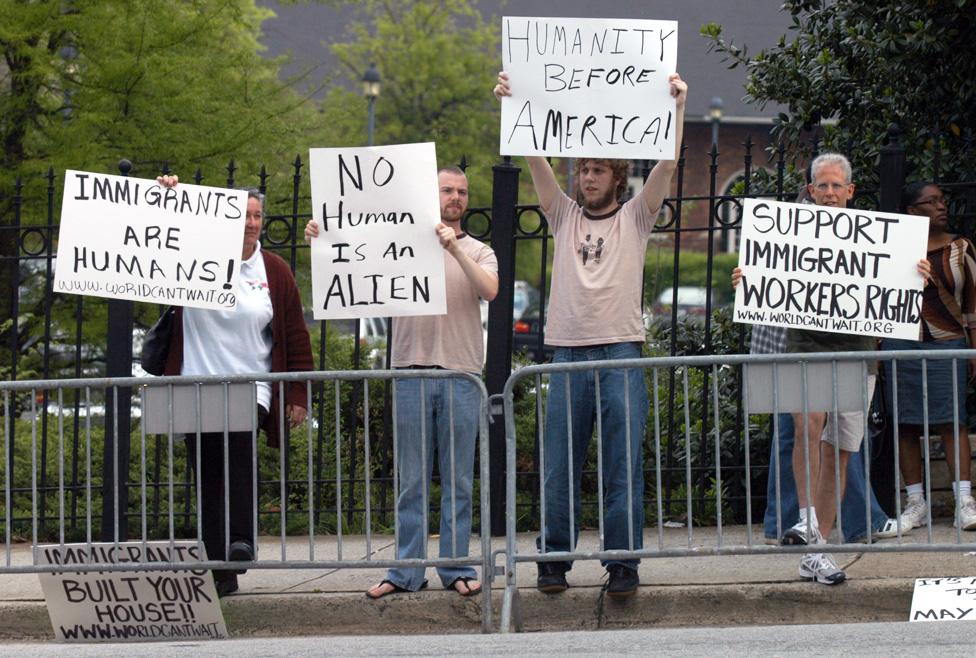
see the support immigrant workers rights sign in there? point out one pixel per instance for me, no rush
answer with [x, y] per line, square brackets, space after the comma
[841, 270]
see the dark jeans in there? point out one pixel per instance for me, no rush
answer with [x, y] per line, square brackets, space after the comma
[209, 475]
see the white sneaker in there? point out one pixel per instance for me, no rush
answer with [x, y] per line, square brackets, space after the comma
[889, 530]
[797, 535]
[967, 513]
[915, 514]
[821, 568]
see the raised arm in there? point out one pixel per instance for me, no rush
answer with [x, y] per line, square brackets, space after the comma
[543, 178]
[658, 183]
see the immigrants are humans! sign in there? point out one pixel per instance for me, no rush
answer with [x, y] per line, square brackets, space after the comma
[589, 87]
[841, 270]
[377, 253]
[131, 238]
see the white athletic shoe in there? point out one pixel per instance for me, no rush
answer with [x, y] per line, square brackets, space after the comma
[797, 535]
[967, 513]
[915, 514]
[889, 530]
[821, 568]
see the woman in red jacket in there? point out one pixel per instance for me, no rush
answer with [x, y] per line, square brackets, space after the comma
[265, 333]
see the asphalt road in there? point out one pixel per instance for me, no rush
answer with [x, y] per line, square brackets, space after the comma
[883, 639]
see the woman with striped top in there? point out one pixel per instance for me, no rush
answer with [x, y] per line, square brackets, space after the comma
[948, 322]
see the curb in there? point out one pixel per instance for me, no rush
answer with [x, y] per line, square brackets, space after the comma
[579, 608]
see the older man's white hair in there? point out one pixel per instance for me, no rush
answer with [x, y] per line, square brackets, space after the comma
[830, 160]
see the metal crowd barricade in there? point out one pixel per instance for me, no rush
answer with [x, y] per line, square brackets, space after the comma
[192, 406]
[828, 382]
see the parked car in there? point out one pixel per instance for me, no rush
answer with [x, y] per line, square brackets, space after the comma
[692, 301]
[372, 342]
[525, 295]
[526, 333]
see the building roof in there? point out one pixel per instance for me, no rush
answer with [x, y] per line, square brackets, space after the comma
[305, 31]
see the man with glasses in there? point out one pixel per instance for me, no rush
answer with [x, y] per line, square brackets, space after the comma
[830, 186]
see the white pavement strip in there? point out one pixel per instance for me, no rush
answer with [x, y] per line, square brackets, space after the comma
[879, 639]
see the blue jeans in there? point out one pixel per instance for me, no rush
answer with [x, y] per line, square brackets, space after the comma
[623, 474]
[852, 506]
[431, 410]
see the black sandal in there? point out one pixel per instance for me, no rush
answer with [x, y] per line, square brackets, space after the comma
[466, 580]
[396, 589]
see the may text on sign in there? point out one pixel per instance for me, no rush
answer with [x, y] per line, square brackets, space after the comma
[944, 599]
[131, 238]
[589, 87]
[377, 253]
[102, 606]
[840, 270]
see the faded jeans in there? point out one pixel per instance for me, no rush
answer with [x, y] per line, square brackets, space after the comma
[431, 410]
[853, 518]
[622, 448]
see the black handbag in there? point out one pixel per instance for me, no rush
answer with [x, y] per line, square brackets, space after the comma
[155, 345]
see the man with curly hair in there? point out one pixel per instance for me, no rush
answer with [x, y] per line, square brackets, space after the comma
[594, 315]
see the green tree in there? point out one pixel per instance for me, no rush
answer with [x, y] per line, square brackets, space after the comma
[84, 83]
[92, 81]
[866, 65]
[437, 60]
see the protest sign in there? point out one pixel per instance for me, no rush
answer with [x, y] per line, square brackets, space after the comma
[97, 606]
[841, 270]
[589, 87]
[131, 238]
[944, 599]
[377, 253]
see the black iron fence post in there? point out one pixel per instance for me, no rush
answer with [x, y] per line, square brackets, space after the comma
[118, 412]
[504, 197]
[891, 179]
[10, 250]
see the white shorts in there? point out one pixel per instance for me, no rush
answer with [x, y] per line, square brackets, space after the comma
[849, 430]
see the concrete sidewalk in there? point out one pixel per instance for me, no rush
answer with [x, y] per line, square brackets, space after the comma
[700, 590]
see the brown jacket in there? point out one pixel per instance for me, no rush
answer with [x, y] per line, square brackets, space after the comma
[291, 349]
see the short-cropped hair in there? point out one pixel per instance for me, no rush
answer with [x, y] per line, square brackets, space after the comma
[828, 160]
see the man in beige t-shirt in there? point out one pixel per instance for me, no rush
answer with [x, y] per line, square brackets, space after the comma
[595, 315]
[440, 414]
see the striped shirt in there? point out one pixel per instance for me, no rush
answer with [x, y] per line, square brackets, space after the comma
[949, 304]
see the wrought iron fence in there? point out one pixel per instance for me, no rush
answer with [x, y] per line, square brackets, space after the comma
[49, 336]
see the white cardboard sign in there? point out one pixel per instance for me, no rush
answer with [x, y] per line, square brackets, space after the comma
[944, 599]
[131, 238]
[377, 252]
[103, 606]
[840, 270]
[584, 87]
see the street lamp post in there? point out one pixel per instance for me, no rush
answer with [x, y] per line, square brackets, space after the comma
[715, 108]
[371, 90]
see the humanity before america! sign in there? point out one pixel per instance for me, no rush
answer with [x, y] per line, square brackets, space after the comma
[131, 238]
[377, 253]
[840, 270]
[589, 87]
[102, 606]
